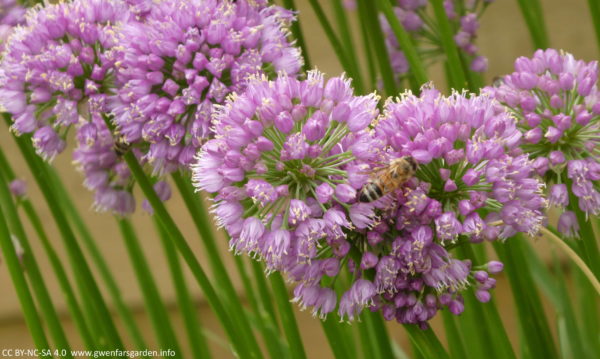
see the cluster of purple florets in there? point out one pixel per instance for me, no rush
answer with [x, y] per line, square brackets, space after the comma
[57, 73]
[289, 161]
[556, 101]
[414, 17]
[216, 85]
[153, 70]
[11, 15]
[183, 59]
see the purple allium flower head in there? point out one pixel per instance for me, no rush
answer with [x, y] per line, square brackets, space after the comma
[467, 168]
[188, 56]
[303, 230]
[57, 73]
[556, 101]
[11, 15]
[18, 188]
[486, 168]
[412, 16]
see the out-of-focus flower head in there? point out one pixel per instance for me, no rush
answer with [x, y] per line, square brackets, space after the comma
[286, 163]
[186, 57]
[18, 188]
[414, 17]
[56, 73]
[11, 15]
[556, 101]
[471, 185]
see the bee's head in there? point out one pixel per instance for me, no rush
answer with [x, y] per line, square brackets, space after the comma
[411, 161]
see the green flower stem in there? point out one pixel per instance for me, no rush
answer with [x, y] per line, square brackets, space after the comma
[486, 329]
[534, 326]
[588, 246]
[368, 12]
[454, 336]
[573, 344]
[369, 53]
[239, 342]
[33, 271]
[532, 13]
[263, 291]
[367, 338]
[453, 57]
[298, 34]
[426, 342]
[573, 257]
[586, 302]
[346, 36]
[266, 320]
[286, 314]
[416, 65]
[98, 259]
[595, 14]
[336, 339]
[381, 339]
[59, 271]
[155, 307]
[32, 319]
[185, 302]
[61, 275]
[203, 225]
[339, 50]
[83, 276]
[572, 338]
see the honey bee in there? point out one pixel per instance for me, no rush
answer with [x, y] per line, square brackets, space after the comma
[121, 147]
[388, 178]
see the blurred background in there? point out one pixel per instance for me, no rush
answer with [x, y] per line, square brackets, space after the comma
[502, 38]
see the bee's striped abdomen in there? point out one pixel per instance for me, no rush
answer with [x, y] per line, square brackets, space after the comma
[370, 192]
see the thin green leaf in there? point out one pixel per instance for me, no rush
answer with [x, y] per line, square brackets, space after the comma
[32, 319]
[83, 276]
[339, 50]
[344, 29]
[416, 65]
[186, 305]
[263, 309]
[453, 336]
[34, 273]
[572, 344]
[335, 338]
[532, 13]
[263, 290]
[98, 260]
[369, 53]
[368, 338]
[426, 342]
[587, 244]
[382, 338]
[595, 14]
[155, 307]
[286, 314]
[533, 323]
[587, 303]
[492, 341]
[243, 348]
[459, 80]
[63, 280]
[202, 223]
[367, 10]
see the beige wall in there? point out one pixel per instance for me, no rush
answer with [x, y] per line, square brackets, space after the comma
[503, 37]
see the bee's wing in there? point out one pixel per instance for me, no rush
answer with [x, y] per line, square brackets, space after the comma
[380, 167]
